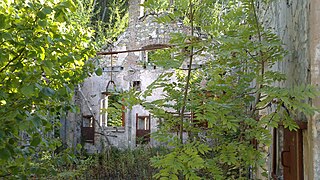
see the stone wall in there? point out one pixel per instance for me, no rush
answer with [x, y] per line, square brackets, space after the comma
[128, 67]
[290, 21]
[314, 122]
[297, 24]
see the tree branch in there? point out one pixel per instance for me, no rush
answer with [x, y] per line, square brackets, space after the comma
[95, 120]
[188, 76]
[10, 61]
[258, 86]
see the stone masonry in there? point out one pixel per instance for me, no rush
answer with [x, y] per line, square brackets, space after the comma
[127, 68]
[297, 22]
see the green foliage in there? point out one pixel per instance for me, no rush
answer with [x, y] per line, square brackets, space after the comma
[64, 165]
[114, 111]
[186, 159]
[44, 47]
[109, 19]
[122, 164]
[227, 93]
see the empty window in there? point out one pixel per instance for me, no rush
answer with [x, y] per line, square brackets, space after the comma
[136, 85]
[146, 56]
[141, 9]
[143, 123]
[112, 111]
[142, 129]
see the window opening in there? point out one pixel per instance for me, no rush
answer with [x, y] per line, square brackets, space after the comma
[142, 9]
[136, 85]
[111, 109]
[145, 57]
[115, 112]
[143, 123]
[142, 129]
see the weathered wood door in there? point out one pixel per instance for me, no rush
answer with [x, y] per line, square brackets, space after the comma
[142, 129]
[87, 129]
[292, 154]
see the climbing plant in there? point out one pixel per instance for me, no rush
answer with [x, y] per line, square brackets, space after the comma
[225, 96]
[44, 52]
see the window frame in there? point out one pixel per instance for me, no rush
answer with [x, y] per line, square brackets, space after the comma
[143, 136]
[136, 85]
[103, 114]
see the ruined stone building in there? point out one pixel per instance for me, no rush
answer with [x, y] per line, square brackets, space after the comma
[293, 155]
[126, 66]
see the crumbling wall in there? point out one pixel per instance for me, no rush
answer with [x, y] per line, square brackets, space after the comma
[297, 24]
[290, 21]
[125, 68]
[314, 122]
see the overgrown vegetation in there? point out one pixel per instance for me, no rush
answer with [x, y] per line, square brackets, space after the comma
[225, 96]
[44, 52]
[124, 164]
[111, 164]
[114, 111]
[109, 19]
[45, 48]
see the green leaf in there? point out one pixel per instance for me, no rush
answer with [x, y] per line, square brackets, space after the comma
[41, 15]
[42, 54]
[3, 21]
[265, 174]
[35, 141]
[46, 10]
[28, 90]
[42, 23]
[36, 121]
[6, 36]
[5, 154]
[98, 71]
[47, 91]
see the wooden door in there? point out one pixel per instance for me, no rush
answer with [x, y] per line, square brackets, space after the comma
[292, 154]
[142, 129]
[87, 129]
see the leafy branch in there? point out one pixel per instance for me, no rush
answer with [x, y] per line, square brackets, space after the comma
[186, 88]
[259, 86]
[19, 55]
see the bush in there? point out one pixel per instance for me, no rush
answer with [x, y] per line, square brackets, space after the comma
[115, 164]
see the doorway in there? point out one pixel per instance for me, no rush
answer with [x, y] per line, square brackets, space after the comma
[291, 156]
[142, 129]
